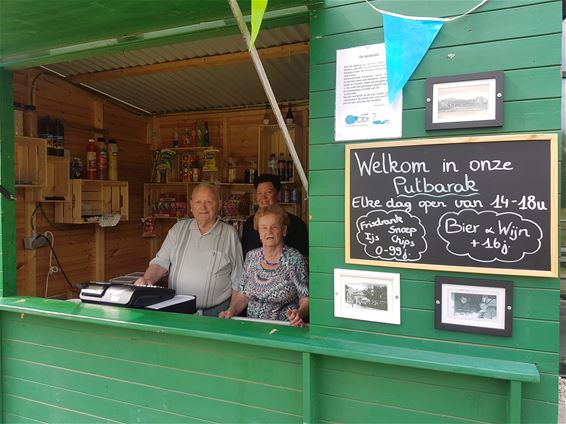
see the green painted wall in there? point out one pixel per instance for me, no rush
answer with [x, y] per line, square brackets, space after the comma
[522, 38]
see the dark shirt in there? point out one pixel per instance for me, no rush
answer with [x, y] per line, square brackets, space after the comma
[297, 235]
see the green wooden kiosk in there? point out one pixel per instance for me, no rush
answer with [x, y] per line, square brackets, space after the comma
[70, 362]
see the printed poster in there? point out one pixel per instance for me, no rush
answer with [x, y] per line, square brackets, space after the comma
[363, 111]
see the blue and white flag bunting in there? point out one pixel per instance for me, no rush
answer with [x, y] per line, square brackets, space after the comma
[407, 39]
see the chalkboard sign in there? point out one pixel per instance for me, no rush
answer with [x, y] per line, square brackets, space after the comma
[478, 204]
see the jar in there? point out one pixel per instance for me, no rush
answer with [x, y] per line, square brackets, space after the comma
[196, 175]
[30, 121]
[18, 119]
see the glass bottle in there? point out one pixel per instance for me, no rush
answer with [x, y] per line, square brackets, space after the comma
[290, 168]
[200, 135]
[272, 164]
[289, 120]
[175, 139]
[102, 159]
[206, 135]
[281, 167]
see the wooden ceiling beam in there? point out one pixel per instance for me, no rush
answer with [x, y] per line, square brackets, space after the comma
[199, 62]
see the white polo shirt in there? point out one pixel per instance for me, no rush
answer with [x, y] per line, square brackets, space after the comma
[207, 266]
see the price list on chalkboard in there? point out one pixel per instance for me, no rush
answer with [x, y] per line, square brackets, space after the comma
[472, 205]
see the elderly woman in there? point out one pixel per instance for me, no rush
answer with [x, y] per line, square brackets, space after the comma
[274, 283]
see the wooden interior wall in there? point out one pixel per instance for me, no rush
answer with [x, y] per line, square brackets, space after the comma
[523, 39]
[234, 131]
[124, 249]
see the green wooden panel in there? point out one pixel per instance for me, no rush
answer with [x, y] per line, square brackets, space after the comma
[539, 304]
[209, 357]
[519, 117]
[428, 397]
[546, 389]
[527, 334]
[327, 156]
[344, 410]
[202, 409]
[539, 412]
[326, 208]
[330, 234]
[38, 411]
[480, 24]
[531, 84]
[13, 418]
[325, 259]
[326, 183]
[7, 207]
[545, 362]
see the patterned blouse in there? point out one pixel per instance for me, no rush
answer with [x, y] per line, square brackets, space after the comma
[272, 291]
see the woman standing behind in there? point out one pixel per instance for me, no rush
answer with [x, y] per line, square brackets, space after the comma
[274, 283]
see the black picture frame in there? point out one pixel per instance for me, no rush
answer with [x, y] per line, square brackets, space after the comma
[464, 101]
[474, 306]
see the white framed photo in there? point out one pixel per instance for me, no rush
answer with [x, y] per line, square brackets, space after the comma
[367, 295]
[464, 101]
[475, 306]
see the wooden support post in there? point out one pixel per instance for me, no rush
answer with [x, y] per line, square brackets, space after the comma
[514, 409]
[99, 251]
[308, 388]
[30, 256]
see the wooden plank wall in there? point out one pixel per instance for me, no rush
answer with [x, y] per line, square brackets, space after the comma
[523, 38]
[124, 249]
[68, 371]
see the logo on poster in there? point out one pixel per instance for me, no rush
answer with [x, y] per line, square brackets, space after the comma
[353, 120]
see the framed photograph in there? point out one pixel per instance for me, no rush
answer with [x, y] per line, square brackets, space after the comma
[464, 101]
[475, 306]
[367, 296]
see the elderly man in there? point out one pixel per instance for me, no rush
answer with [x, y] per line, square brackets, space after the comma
[267, 188]
[202, 256]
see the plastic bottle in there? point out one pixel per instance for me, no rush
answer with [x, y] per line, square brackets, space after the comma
[102, 159]
[91, 150]
[112, 160]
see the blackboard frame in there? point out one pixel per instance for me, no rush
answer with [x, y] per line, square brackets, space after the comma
[552, 241]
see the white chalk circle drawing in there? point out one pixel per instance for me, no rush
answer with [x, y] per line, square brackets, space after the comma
[394, 235]
[489, 236]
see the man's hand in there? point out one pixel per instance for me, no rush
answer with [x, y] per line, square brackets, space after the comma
[142, 281]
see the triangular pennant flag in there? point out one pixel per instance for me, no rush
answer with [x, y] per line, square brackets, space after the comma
[406, 42]
[258, 9]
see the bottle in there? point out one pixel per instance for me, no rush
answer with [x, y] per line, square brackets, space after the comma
[272, 164]
[231, 170]
[289, 120]
[18, 119]
[290, 169]
[194, 137]
[281, 167]
[58, 134]
[286, 194]
[200, 135]
[252, 172]
[91, 150]
[30, 121]
[175, 139]
[102, 159]
[186, 137]
[266, 116]
[206, 134]
[112, 160]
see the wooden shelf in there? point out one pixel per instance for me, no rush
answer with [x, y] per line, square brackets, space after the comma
[92, 198]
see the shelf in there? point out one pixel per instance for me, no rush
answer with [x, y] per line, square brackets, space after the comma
[192, 148]
[91, 198]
